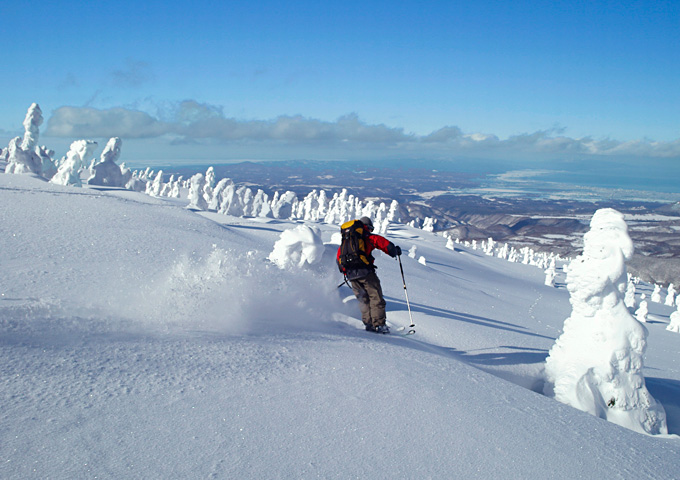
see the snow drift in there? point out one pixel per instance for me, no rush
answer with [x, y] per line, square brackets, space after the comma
[298, 247]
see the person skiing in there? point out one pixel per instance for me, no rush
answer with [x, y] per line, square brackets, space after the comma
[365, 283]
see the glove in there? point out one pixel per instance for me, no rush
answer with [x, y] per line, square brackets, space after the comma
[398, 250]
[393, 250]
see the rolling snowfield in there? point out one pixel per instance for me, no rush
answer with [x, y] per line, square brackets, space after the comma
[139, 339]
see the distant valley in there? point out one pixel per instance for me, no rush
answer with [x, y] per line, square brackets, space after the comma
[541, 217]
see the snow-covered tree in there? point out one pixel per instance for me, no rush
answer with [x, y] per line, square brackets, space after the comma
[323, 205]
[48, 167]
[231, 203]
[133, 180]
[674, 326]
[596, 364]
[176, 186]
[643, 310]
[285, 205]
[20, 160]
[337, 208]
[70, 167]
[380, 219]
[504, 252]
[670, 296]
[146, 175]
[32, 124]
[261, 207]
[656, 294]
[210, 177]
[166, 189]
[394, 213]
[125, 174]
[154, 188]
[21, 155]
[209, 184]
[629, 298]
[106, 171]
[218, 192]
[24, 155]
[490, 246]
[308, 208]
[429, 224]
[368, 209]
[245, 198]
[550, 274]
[196, 200]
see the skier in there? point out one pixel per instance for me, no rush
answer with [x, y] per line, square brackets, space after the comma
[365, 282]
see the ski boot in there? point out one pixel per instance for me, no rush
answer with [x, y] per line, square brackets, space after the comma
[384, 329]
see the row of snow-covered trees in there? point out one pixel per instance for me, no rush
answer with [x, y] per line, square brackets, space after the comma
[548, 262]
[524, 255]
[23, 155]
[228, 198]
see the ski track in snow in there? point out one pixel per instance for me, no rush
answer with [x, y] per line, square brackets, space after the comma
[142, 340]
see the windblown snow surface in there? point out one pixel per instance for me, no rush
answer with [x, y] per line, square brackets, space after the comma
[139, 339]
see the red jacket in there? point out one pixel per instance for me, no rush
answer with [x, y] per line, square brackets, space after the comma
[376, 241]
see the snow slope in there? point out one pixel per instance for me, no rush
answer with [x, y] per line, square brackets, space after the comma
[142, 340]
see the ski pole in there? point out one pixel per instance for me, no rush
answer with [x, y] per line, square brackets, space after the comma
[345, 283]
[408, 304]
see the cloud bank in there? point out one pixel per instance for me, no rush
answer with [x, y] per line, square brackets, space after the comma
[191, 122]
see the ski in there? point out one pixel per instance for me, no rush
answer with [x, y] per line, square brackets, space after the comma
[397, 333]
[402, 331]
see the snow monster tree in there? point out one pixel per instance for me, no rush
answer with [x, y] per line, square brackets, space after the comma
[106, 171]
[21, 155]
[596, 364]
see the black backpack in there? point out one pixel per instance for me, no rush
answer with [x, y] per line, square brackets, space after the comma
[353, 247]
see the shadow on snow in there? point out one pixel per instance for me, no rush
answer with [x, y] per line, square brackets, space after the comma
[464, 317]
[667, 392]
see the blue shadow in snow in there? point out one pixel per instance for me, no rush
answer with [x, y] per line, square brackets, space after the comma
[453, 267]
[466, 317]
[521, 355]
[667, 392]
[253, 227]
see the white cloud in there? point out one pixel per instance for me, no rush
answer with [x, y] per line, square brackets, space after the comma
[190, 121]
[194, 120]
[86, 122]
[444, 134]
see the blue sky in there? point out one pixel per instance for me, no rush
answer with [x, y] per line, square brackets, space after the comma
[224, 80]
